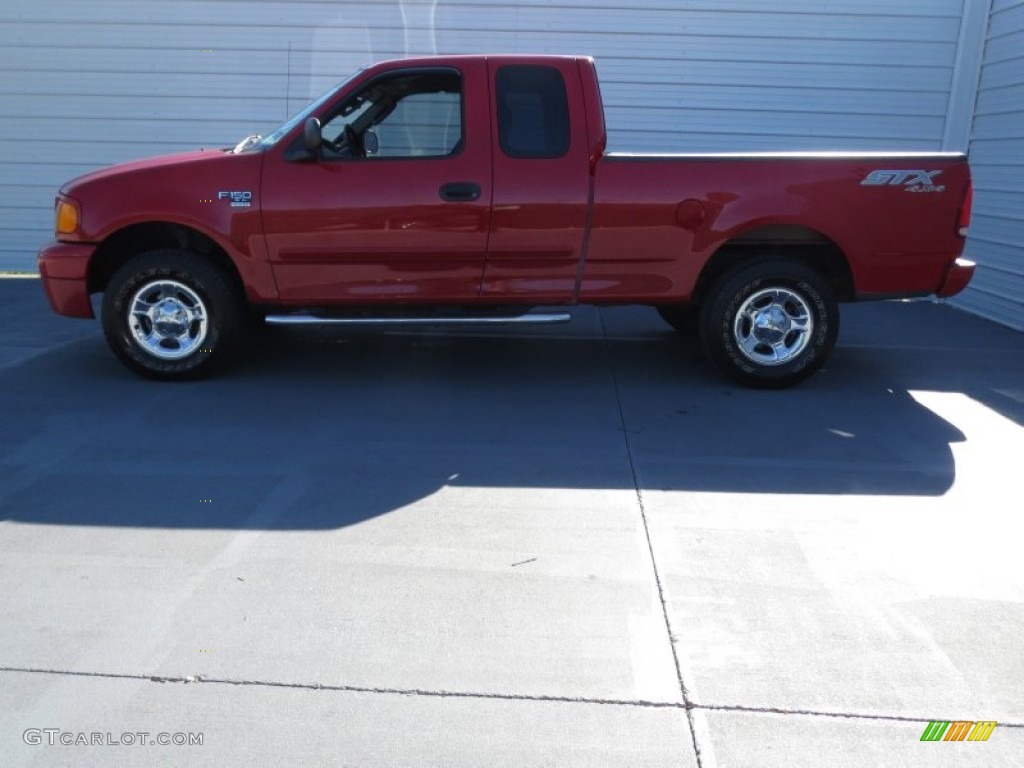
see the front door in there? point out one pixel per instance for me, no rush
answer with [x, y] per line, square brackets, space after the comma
[397, 207]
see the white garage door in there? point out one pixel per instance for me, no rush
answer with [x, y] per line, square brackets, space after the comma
[91, 83]
[997, 157]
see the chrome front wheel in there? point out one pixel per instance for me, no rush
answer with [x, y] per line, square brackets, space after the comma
[168, 319]
[173, 314]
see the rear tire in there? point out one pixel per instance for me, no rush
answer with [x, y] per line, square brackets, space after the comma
[171, 314]
[770, 324]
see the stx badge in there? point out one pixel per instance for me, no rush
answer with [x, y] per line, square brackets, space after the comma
[911, 181]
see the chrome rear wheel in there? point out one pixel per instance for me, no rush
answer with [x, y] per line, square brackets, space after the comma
[770, 323]
[773, 326]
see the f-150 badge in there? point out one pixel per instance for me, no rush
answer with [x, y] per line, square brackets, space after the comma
[239, 199]
[911, 181]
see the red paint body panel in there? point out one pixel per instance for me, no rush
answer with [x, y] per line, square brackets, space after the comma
[181, 189]
[957, 277]
[896, 241]
[364, 232]
[63, 267]
[581, 227]
[540, 209]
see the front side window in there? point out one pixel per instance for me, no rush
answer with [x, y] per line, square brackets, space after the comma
[533, 112]
[412, 114]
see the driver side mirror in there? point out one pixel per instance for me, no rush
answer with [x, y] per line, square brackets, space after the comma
[311, 137]
[371, 144]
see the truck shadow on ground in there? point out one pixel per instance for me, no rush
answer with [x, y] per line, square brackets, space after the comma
[319, 429]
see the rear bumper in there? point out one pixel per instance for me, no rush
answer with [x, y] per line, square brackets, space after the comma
[64, 270]
[957, 277]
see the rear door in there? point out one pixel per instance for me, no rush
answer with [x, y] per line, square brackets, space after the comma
[397, 208]
[541, 181]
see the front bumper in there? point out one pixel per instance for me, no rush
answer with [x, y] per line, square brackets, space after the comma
[64, 270]
[957, 277]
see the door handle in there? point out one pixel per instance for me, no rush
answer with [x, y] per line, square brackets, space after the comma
[460, 192]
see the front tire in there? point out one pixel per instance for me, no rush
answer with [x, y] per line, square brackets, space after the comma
[770, 324]
[171, 314]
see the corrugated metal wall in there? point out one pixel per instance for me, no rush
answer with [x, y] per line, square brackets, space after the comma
[997, 158]
[90, 83]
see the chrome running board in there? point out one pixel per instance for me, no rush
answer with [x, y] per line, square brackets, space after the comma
[529, 318]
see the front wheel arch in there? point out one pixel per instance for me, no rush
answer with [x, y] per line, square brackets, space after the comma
[135, 239]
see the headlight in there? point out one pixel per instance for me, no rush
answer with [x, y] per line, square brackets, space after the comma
[68, 217]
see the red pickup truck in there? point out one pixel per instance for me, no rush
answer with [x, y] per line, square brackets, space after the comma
[462, 189]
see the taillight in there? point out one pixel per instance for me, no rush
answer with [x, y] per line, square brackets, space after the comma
[965, 211]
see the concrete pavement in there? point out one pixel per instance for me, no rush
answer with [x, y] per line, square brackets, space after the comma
[565, 546]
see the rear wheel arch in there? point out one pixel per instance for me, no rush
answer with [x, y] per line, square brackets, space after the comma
[801, 244]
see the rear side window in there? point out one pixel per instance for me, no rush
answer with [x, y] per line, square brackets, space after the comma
[533, 112]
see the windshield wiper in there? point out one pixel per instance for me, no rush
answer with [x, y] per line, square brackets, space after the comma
[247, 142]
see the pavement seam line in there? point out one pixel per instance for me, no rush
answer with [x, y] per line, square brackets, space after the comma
[824, 713]
[639, 703]
[650, 545]
[197, 679]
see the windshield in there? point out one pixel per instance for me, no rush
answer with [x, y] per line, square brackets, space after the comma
[281, 131]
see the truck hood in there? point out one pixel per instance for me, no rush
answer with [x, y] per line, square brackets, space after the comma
[195, 189]
[147, 165]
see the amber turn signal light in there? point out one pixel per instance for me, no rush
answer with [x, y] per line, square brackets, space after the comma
[67, 217]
